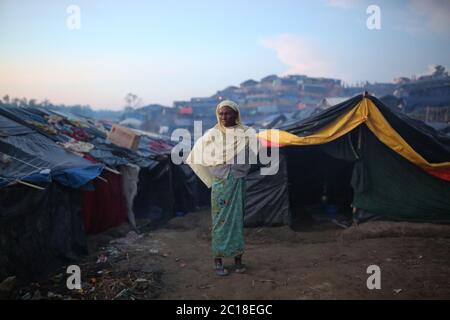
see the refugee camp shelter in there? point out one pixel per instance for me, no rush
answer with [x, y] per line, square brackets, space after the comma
[358, 155]
[40, 201]
[60, 179]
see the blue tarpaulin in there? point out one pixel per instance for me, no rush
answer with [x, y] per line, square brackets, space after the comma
[30, 156]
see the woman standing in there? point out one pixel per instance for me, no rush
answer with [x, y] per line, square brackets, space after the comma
[214, 159]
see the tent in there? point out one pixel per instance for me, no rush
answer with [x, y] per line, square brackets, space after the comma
[39, 229]
[40, 201]
[359, 155]
[145, 175]
[30, 156]
[60, 178]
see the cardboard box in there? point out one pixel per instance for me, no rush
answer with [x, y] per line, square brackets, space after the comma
[124, 137]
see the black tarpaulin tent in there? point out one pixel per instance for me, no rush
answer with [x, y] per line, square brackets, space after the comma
[44, 223]
[147, 173]
[267, 200]
[364, 155]
[39, 228]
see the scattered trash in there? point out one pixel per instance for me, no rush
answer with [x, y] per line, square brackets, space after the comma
[103, 277]
[121, 293]
[141, 284]
[154, 251]
[397, 290]
[177, 259]
[26, 296]
[102, 258]
[131, 237]
[180, 213]
[4, 158]
[206, 286]
[270, 281]
[183, 264]
[52, 295]
[7, 286]
[420, 257]
[342, 223]
[113, 252]
[37, 295]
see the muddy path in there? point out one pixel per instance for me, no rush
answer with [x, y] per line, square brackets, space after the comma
[325, 262]
[321, 261]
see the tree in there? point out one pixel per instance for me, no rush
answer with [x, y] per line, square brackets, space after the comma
[6, 99]
[132, 100]
[439, 72]
[46, 103]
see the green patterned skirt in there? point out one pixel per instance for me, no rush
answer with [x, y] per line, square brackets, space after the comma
[227, 210]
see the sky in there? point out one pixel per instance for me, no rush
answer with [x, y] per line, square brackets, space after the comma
[172, 50]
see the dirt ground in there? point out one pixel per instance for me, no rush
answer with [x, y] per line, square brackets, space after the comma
[322, 261]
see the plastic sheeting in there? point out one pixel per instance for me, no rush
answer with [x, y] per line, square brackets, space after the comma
[187, 188]
[104, 207]
[9, 127]
[35, 158]
[389, 185]
[267, 201]
[33, 120]
[39, 230]
[155, 197]
[114, 156]
[415, 141]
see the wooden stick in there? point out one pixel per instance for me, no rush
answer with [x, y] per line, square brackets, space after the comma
[103, 179]
[29, 185]
[112, 170]
[266, 281]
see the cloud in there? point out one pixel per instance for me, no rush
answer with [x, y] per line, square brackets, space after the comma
[299, 54]
[432, 15]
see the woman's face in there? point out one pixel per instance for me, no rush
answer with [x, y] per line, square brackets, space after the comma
[227, 116]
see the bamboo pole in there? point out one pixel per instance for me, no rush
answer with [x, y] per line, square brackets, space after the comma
[112, 170]
[29, 185]
[103, 179]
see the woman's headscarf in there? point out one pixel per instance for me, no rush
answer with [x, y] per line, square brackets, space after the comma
[232, 105]
[219, 145]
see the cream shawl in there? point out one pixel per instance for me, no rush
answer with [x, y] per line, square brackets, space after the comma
[218, 146]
